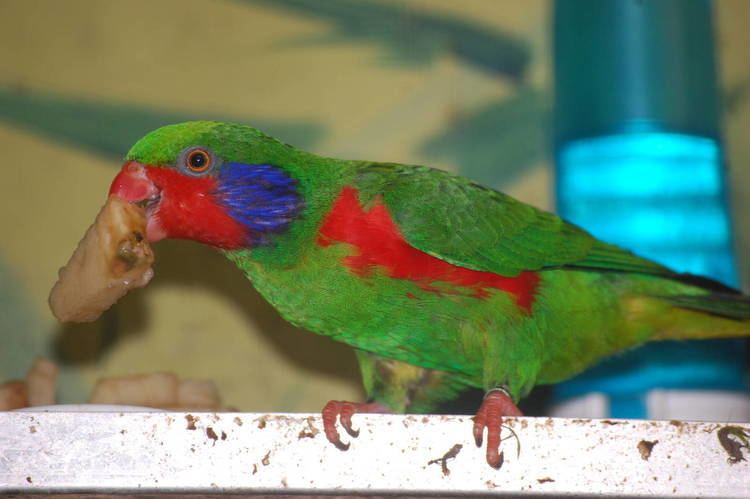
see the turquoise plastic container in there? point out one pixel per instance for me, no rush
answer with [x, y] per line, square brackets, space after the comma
[639, 163]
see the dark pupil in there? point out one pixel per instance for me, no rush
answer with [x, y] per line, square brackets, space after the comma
[198, 160]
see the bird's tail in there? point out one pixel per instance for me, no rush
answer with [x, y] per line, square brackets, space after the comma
[704, 316]
[728, 306]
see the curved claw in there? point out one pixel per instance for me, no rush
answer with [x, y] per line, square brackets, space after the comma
[338, 443]
[347, 411]
[329, 414]
[480, 422]
[496, 404]
[343, 411]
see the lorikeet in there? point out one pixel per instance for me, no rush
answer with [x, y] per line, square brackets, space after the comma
[438, 283]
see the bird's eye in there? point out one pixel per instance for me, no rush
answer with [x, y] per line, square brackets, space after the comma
[198, 161]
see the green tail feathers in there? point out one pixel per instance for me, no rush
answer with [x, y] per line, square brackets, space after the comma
[730, 306]
[694, 316]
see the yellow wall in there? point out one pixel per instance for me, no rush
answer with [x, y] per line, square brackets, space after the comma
[81, 78]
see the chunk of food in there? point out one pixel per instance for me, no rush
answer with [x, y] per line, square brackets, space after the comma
[37, 389]
[13, 395]
[150, 390]
[41, 381]
[112, 258]
[161, 390]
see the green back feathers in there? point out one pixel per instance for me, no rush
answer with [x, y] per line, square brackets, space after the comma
[465, 224]
[475, 227]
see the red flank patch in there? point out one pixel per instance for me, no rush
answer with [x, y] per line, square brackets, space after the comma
[380, 243]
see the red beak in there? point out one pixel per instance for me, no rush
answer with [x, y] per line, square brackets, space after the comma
[132, 184]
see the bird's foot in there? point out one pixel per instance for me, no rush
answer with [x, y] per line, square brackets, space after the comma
[344, 411]
[497, 403]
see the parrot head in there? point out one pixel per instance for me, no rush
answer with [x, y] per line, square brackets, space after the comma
[220, 184]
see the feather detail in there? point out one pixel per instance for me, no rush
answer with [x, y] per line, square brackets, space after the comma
[380, 244]
[263, 198]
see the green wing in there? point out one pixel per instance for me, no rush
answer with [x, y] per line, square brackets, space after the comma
[478, 228]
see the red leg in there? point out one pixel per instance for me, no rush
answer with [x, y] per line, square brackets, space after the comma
[496, 404]
[344, 411]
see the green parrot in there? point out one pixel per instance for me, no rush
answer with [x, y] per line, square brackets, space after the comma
[438, 283]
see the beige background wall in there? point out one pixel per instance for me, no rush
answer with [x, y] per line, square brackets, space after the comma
[402, 81]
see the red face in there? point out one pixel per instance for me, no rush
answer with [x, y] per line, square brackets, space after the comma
[181, 205]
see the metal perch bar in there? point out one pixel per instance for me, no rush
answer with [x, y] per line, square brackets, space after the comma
[212, 454]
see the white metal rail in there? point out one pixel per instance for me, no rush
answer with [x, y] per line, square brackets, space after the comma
[211, 454]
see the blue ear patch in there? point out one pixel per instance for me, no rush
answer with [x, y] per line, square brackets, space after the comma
[261, 197]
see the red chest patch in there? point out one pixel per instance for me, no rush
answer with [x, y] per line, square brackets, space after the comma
[380, 243]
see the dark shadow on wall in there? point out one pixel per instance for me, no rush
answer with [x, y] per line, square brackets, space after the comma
[409, 36]
[109, 129]
[496, 143]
